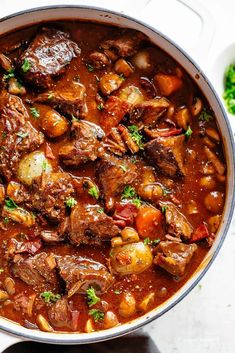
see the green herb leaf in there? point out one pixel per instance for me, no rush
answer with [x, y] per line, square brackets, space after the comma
[11, 73]
[92, 298]
[94, 192]
[137, 202]
[35, 112]
[45, 166]
[98, 315]
[22, 134]
[6, 220]
[100, 210]
[123, 168]
[147, 241]
[117, 291]
[164, 208]
[50, 95]
[74, 118]
[50, 297]
[26, 65]
[189, 132]
[229, 93]
[70, 202]
[90, 68]
[100, 106]
[128, 192]
[205, 116]
[4, 134]
[155, 242]
[166, 191]
[10, 204]
[136, 136]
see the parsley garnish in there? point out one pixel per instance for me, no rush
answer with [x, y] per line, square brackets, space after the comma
[166, 191]
[188, 132]
[128, 192]
[98, 315]
[92, 298]
[137, 202]
[22, 134]
[164, 208]
[90, 68]
[205, 116]
[74, 118]
[10, 204]
[94, 192]
[4, 134]
[70, 202]
[6, 220]
[45, 166]
[148, 241]
[123, 167]
[229, 93]
[100, 210]
[11, 73]
[35, 112]
[117, 292]
[50, 95]
[100, 106]
[136, 136]
[26, 65]
[50, 297]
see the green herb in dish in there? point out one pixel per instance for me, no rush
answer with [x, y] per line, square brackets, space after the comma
[229, 92]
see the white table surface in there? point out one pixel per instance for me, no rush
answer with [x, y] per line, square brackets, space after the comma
[204, 322]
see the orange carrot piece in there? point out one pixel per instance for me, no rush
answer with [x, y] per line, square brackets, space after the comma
[147, 221]
[167, 84]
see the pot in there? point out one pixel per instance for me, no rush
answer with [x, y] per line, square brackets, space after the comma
[16, 332]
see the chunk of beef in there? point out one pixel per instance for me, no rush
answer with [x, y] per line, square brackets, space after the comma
[6, 63]
[125, 46]
[37, 270]
[14, 247]
[24, 303]
[174, 256]
[89, 225]
[178, 225]
[84, 146]
[47, 56]
[113, 112]
[19, 135]
[167, 154]
[80, 273]
[70, 100]
[114, 174]
[98, 60]
[148, 112]
[49, 193]
[61, 315]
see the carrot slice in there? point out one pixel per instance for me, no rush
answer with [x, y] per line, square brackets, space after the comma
[167, 84]
[147, 221]
[200, 233]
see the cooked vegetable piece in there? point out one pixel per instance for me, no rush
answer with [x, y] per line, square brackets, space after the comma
[167, 84]
[148, 221]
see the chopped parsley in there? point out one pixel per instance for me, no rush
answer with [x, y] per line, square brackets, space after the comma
[100, 210]
[45, 166]
[229, 93]
[50, 95]
[92, 298]
[11, 74]
[70, 202]
[137, 202]
[22, 134]
[166, 191]
[97, 314]
[10, 204]
[136, 136]
[205, 116]
[128, 192]
[100, 106]
[94, 192]
[4, 134]
[50, 297]
[164, 208]
[35, 112]
[123, 167]
[90, 68]
[117, 291]
[154, 242]
[188, 132]
[74, 118]
[26, 65]
[6, 220]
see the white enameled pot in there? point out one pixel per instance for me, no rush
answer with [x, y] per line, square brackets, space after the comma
[13, 332]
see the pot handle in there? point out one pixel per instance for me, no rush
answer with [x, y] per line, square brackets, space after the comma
[187, 22]
[7, 340]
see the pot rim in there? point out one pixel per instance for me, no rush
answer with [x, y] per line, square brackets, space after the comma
[118, 331]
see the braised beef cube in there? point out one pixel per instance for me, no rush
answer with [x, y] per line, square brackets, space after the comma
[125, 46]
[147, 113]
[114, 174]
[47, 56]
[19, 135]
[70, 100]
[167, 154]
[113, 112]
[174, 256]
[49, 194]
[178, 225]
[98, 60]
[38, 270]
[14, 247]
[61, 315]
[84, 146]
[90, 225]
[80, 273]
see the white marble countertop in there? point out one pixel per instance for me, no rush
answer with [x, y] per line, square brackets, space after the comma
[204, 321]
